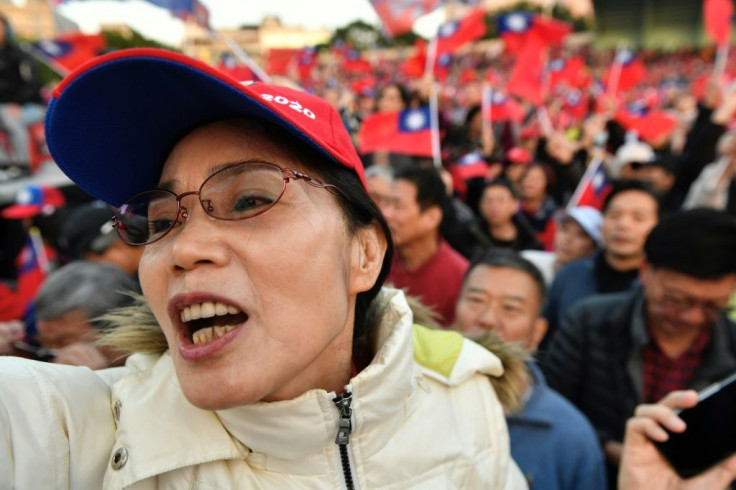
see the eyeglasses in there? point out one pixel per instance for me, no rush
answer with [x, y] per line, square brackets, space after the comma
[681, 305]
[234, 193]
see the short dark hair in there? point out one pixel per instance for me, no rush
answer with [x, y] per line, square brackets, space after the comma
[499, 257]
[699, 242]
[430, 187]
[503, 182]
[620, 186]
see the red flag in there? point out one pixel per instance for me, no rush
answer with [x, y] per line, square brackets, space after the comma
[593, 187]
[278, 60]
[414, 66]
[305, 59]
[570, 72]
[576, 104]
[503, 108]
[443, 66]
[651, 126]
[73, 49]
[469, 166]
[228, 64]
[451, 36]
[407, 132]
[631, 71]
[718, 15]
[353, 62]
[526, 79]
[398, 16]
[516, 28]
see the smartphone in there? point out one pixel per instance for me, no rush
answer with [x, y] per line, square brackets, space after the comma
[710, 436]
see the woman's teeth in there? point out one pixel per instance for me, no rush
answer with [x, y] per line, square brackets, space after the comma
[209, 334]
[208, 309]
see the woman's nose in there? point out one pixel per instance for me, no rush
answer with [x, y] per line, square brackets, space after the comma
[198, 239]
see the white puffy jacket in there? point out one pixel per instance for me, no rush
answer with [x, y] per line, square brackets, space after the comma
[422, 415]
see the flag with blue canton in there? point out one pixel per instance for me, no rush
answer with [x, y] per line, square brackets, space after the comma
[414, 120]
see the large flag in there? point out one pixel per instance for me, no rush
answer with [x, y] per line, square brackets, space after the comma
[516, 28]
[70, 50]
[415, 65]
[626, 72]
[407, 132]
[651, 126]
[398, 16]
[718, 15]
[527, 76]
[593, 187]
[453, 35]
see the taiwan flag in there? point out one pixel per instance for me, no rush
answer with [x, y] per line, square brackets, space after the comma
[68, 51]
[651, 126]
[407, 132]
[631, 71]
[502, 108]
[518, 27]
[443, 67]
[451, 36]
[229, 65]
[305, 59]
[398, 16]
[593, 188]
[527, 77]
[353, 62]
[570, 72]
[718, 15]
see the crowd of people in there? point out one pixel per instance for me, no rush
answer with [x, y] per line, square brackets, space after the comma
[479, 310]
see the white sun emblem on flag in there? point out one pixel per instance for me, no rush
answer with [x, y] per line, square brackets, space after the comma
[448, 29]
[51, 47]
[598, 180]
[516, 22]
[415, 120]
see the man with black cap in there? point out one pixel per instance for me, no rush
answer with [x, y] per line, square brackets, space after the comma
[670, 333]
[88, 233]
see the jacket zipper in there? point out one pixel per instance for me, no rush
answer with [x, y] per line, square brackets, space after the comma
[345, 427]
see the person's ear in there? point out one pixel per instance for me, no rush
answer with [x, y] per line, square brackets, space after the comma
[369, 249]
[538, 332]
[433, 215]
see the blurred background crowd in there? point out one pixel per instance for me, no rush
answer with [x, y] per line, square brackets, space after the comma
[523, 139]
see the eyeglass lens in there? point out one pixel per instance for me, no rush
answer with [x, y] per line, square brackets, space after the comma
[236, 192]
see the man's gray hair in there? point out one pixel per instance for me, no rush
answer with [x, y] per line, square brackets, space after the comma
[93, 287]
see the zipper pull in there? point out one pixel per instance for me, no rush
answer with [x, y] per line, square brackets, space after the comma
[345, 427]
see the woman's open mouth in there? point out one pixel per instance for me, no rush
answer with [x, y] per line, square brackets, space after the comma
[210, 320]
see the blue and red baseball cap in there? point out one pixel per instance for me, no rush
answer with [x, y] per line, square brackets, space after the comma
[33, 200]
[111, 124]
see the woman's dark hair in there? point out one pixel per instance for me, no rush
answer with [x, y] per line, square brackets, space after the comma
[358, 208]
[403, 92]
[549, 174]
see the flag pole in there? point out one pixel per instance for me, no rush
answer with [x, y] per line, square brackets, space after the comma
[38, 249]
[593, 166]
[434, 122]
[242, 56]
[615, 73]
[486, 107]
[719, 67]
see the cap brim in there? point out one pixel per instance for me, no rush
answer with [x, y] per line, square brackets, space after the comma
[21, 211]
[112, 123]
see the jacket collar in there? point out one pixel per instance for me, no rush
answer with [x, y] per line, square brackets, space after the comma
[155, 409]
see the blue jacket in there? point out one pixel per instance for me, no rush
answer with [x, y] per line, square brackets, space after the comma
[553, 443]
[572, 283]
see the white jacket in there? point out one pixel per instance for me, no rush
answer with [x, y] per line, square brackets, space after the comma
[424, 415]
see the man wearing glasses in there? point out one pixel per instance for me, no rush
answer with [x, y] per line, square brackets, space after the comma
[670, 333]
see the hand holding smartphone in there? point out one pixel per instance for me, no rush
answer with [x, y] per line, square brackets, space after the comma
[710, 436]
